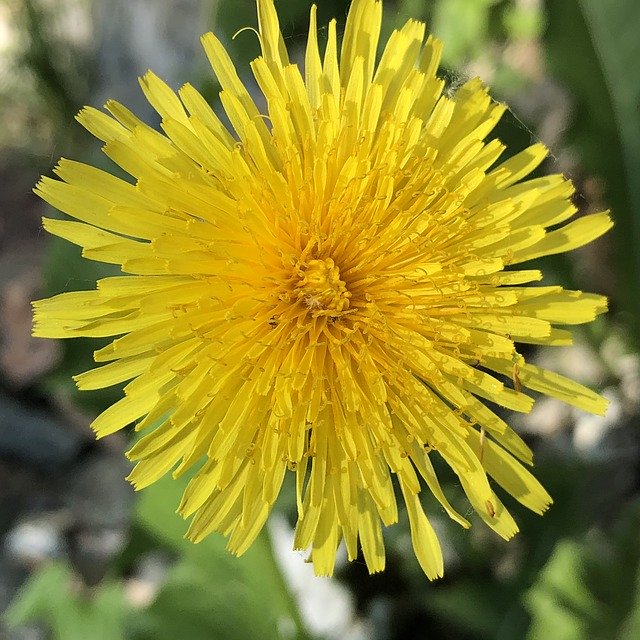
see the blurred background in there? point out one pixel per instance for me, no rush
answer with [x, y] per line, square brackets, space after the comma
[83, 558]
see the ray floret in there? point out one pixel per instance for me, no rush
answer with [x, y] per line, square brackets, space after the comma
[330, 289]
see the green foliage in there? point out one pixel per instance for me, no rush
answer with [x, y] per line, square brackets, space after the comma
[522, 21]
[207, 595]
[482, 596]
[590, 588]
[590, 49]
[233, 15]
[51, 596]
[475, 605]
[61, 70]
[210, 594]
[464, 26]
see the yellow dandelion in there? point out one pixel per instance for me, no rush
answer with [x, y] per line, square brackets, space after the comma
[326, 290]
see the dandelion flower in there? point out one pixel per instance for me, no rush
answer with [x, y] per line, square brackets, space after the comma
[327, 289]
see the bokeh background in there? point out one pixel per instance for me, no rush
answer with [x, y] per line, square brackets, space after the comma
[83, 558]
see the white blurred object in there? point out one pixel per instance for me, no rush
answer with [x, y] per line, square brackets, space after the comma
[590, 430]
[36, 540]
[326, 606]
[578, 361]
[548, 417]
[137, 35]
[150, 573]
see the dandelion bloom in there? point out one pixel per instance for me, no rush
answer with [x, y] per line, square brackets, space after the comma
[328, 289]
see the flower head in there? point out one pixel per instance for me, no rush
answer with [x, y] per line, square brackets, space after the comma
[329, 290]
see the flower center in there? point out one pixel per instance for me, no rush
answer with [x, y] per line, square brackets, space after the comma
[320, 287]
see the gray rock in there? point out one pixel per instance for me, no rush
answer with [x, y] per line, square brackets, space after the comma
[31, 436]
[35, 540]
[96, 492]
[100, 502]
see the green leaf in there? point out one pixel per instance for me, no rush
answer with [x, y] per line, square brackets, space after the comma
[592, 47]
[590, 588]
[561, 605]
[475, 605]
[41, 589]
[209, 593]
[522, 21]
[463, 25]
[52, 596]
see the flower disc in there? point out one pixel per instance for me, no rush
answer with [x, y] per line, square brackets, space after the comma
[328, 289]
